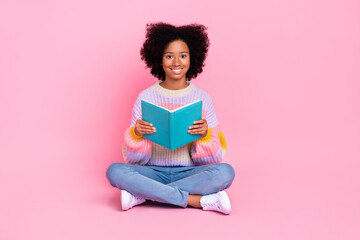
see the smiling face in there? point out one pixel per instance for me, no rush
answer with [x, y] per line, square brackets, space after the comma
[176, 61]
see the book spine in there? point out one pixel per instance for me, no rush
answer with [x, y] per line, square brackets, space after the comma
[171, 130]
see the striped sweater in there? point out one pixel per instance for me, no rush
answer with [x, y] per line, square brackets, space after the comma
[206, 150]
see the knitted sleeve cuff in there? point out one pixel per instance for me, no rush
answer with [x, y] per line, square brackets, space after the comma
[207, 138]
[134, 136]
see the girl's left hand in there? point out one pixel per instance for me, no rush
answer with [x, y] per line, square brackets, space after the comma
[199, 127]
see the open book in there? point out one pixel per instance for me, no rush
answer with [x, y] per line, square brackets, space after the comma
[171, 126]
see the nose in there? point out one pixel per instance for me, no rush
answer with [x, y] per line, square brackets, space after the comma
[176, 61]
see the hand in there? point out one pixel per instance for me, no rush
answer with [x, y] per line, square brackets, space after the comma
[142, 127]
[199, 127]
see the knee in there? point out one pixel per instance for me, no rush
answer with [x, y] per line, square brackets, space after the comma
[227, 172]
[114, 171]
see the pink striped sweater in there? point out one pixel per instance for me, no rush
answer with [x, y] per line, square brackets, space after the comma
[207, 150]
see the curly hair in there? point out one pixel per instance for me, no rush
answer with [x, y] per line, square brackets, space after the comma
[159, 35]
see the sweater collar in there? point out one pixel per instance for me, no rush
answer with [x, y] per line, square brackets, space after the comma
[174, 93]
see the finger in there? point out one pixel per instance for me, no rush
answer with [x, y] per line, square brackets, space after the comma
[142, 129]
[142, 122]
[196, 132]
[200, 121]
[145, 127]
[149, 132]
[196, 126]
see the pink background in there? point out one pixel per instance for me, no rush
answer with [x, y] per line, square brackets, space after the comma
[284, 76]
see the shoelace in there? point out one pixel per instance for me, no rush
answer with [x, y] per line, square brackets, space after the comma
[138, 198]
[212, 202]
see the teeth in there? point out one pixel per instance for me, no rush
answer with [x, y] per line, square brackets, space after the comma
[176, 70]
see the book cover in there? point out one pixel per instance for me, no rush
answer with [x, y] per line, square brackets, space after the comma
[171, 125]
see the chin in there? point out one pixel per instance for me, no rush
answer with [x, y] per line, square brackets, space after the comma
[177, 77]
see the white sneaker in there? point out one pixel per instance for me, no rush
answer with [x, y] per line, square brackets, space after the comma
[219, 202]
[128, 200]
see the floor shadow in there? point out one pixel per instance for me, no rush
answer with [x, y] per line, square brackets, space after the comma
[153, 204]
[114, 201]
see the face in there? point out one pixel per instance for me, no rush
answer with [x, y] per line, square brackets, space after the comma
[176, 60]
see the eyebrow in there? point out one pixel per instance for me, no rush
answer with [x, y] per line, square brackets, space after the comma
[180, 52]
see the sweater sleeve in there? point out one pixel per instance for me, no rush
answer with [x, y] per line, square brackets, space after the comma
[211, 148]
[136, 149]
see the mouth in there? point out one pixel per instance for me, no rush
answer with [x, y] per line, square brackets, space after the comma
[176, 70]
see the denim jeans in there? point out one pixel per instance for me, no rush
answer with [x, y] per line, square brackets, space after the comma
[170, 185]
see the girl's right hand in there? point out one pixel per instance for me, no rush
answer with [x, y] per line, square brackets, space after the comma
[142, 127]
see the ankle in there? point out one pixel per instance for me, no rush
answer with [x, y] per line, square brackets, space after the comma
[194, 201]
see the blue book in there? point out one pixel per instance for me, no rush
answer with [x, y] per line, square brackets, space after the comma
[171, 126]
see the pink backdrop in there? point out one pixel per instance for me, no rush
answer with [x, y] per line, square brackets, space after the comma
[284, 76]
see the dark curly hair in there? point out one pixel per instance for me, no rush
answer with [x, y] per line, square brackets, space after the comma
[159, 35]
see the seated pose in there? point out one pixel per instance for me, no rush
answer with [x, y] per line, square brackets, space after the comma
[191, 175]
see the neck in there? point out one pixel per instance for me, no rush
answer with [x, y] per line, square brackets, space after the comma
[174, 85]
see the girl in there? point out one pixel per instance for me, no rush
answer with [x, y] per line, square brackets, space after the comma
[190, 175]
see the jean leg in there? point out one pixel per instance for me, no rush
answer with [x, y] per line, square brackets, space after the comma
[204, 180]
[145, 182]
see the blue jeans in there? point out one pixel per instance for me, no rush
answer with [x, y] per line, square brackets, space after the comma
[170, 185]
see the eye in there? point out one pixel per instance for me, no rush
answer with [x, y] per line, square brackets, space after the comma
[168, 56]
[183, 56]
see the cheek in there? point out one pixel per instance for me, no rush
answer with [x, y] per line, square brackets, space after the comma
[163, 64]
[166, 63]
[188, 64]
